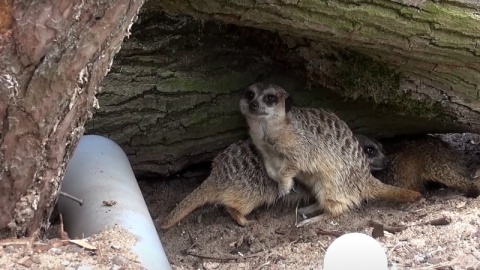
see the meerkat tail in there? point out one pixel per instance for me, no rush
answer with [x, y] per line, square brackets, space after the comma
[459, 182]
[386, 192]
[199, 197]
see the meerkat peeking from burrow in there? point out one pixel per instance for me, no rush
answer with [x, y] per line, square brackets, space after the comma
[239, 182]
[316, 146]
[421, 159]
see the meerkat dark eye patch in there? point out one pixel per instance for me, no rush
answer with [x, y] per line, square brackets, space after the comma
[249, 95]
[288, 104]
[270, 99]
[370, 151]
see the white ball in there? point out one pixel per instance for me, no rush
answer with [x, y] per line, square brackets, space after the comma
[355, 251]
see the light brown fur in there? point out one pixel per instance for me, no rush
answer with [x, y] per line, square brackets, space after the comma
[239, 182]
[413, 163]
[317, 146]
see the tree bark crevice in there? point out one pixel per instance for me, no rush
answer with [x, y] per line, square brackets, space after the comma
[54, 60]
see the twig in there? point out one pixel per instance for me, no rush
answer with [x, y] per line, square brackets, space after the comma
[387, 228]
[226, 257]
[391, 229]
[296, 213]
[331, 233]
[436, 266]
[63, 234]
[66, 195]
[262, 265]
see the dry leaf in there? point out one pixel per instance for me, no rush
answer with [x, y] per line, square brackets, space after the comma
[83, 244]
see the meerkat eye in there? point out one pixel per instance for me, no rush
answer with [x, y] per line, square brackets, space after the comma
[370, 151]
[270, 99]
[249, 95]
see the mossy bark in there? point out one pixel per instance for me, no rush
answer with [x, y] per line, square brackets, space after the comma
[433, 44]
[171, 98]
[54, 55]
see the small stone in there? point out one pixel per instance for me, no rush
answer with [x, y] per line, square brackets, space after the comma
[210, 265]
[242, 265]
[9, 249]
[65, 263]
[119, 260]
[116, 247]
[25, 261]
[116, 267]
[85, 267]
[71, 249]
[35, 259]
[56, 251]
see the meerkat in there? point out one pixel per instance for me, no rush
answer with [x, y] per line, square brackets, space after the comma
[317, 146]
[413, 163]
[239, 182]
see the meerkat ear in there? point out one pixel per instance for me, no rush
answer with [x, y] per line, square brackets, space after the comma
[288, 104]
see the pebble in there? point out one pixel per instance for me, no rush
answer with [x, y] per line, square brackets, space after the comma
[85, 267]
[25, 261]
[210, 265]
[65, 263]
[116, 267]
[56, 251]
[71, 249]
[9, 249]
[35, 259]
[119, 260]
[115, 247]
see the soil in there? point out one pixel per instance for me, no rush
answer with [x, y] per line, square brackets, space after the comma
[107, 250]
[273, 241]
[440, 232]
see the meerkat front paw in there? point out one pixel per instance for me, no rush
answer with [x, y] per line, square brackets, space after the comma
[285, 187]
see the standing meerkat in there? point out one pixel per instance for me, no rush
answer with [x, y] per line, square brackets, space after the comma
[239, 182]
[316, 145]
[415, 162]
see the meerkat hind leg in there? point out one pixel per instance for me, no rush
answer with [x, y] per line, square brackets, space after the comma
[312, 208]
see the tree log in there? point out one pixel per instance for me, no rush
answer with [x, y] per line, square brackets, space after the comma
[54, 55]
[434, 45]
[171, 99]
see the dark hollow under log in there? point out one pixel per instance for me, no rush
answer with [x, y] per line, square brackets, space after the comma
[171, 98]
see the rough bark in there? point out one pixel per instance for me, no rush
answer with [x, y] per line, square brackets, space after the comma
[54, 54]
[171, 98]
[433, 44]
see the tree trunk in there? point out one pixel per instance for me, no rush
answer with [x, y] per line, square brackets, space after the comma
[172, 97]
[54, 54]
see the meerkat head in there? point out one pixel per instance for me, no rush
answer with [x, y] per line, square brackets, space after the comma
[266, 101]
[374, 152]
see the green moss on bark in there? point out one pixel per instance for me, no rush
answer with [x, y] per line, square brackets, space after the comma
[365, 78]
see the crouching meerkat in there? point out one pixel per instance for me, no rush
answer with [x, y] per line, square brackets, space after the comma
[413, 163]
[317, 146]
[239, 182]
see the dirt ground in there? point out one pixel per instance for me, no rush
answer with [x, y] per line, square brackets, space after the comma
[273, 241]
[441, 232]
[107, 250]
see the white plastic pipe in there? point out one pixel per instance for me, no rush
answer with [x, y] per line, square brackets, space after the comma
[98, 171]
